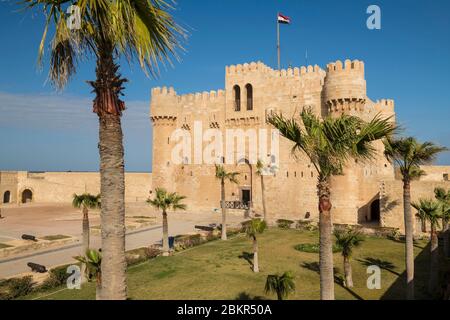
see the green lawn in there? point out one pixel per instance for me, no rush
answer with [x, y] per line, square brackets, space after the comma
[219, 270]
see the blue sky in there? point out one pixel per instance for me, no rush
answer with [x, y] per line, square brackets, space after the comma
[408, 60]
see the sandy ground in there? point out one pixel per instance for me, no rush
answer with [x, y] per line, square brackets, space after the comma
[51, 219]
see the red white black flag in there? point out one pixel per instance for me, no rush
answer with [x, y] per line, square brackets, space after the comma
[283, 19]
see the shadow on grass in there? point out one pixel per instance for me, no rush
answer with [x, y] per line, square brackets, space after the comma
[403, 242]
[421, 276]
[383, 264]
[247, 256]
[247, 296]
[338, 278]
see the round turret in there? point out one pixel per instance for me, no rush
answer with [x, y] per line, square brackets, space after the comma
[345, 87]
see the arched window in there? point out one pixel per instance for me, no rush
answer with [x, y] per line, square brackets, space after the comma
[237, 98]
[7, 197]
[249, 90]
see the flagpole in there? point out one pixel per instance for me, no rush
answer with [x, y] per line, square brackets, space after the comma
[278, 43]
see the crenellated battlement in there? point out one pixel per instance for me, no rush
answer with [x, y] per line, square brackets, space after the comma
[386, 103]
[347, 66]
[246, 68]
[169, 92]
[202, 96]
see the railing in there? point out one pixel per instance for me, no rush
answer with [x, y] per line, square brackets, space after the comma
[237, 205]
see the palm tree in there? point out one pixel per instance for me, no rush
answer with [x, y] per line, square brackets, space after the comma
[347, 240]
[281, 285]
[444, 201]
[108, 30]
[252, 228]
[260, 172]
[431, 213]
[223, 175]
[329, 144]
[408, 155]
[166, 201]
[86, 201]
[422, 218]
[93, 262]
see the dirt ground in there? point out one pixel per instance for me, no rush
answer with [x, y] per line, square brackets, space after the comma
[53, 219]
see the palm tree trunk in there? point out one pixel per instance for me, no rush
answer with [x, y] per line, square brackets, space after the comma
[348, 273]
[409, 233]
[224, 212]
[446, 238]
[279, 296]
[263, 196]
[326, 251]
[165, 240]
[86, 235]
[98, 286]
[434, 262]
[255, 255]
[114, 286]
[86, 241]
[109, 107]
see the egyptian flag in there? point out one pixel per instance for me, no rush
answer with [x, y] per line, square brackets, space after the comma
[283, 19]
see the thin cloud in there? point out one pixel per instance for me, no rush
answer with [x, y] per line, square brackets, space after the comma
[54, 111]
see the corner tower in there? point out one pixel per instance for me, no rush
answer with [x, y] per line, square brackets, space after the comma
[163, 114]
[345, 88]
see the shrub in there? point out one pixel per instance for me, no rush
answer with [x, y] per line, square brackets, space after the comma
[313, 247]
[15, 287]
[56, 277]
[141, 254]
[284, 223]
[211, 236]
[152, 252]
[394, 235]
[183, 242]
[234, 231]
[305, 225]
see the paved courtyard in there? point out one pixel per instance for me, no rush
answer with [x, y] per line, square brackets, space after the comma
[53, 219]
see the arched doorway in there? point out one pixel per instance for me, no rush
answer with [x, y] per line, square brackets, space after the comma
[245, 181]
[27, 196]
[375, 210]
[7, 197]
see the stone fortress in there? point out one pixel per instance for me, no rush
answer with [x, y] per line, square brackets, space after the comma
[368, 193]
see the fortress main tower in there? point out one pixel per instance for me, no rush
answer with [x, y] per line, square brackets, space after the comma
[252, 91]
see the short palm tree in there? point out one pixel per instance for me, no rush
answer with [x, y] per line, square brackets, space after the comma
[223, 175]
[260, 170]
[347, 240]
[408, 155]
[93, 262]
[165, 201]
[252, 229]
[86, 201]
[281, 285]
[443, 198]
[421, 215]
[108, 30]
[329, 144]
[431, 212]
